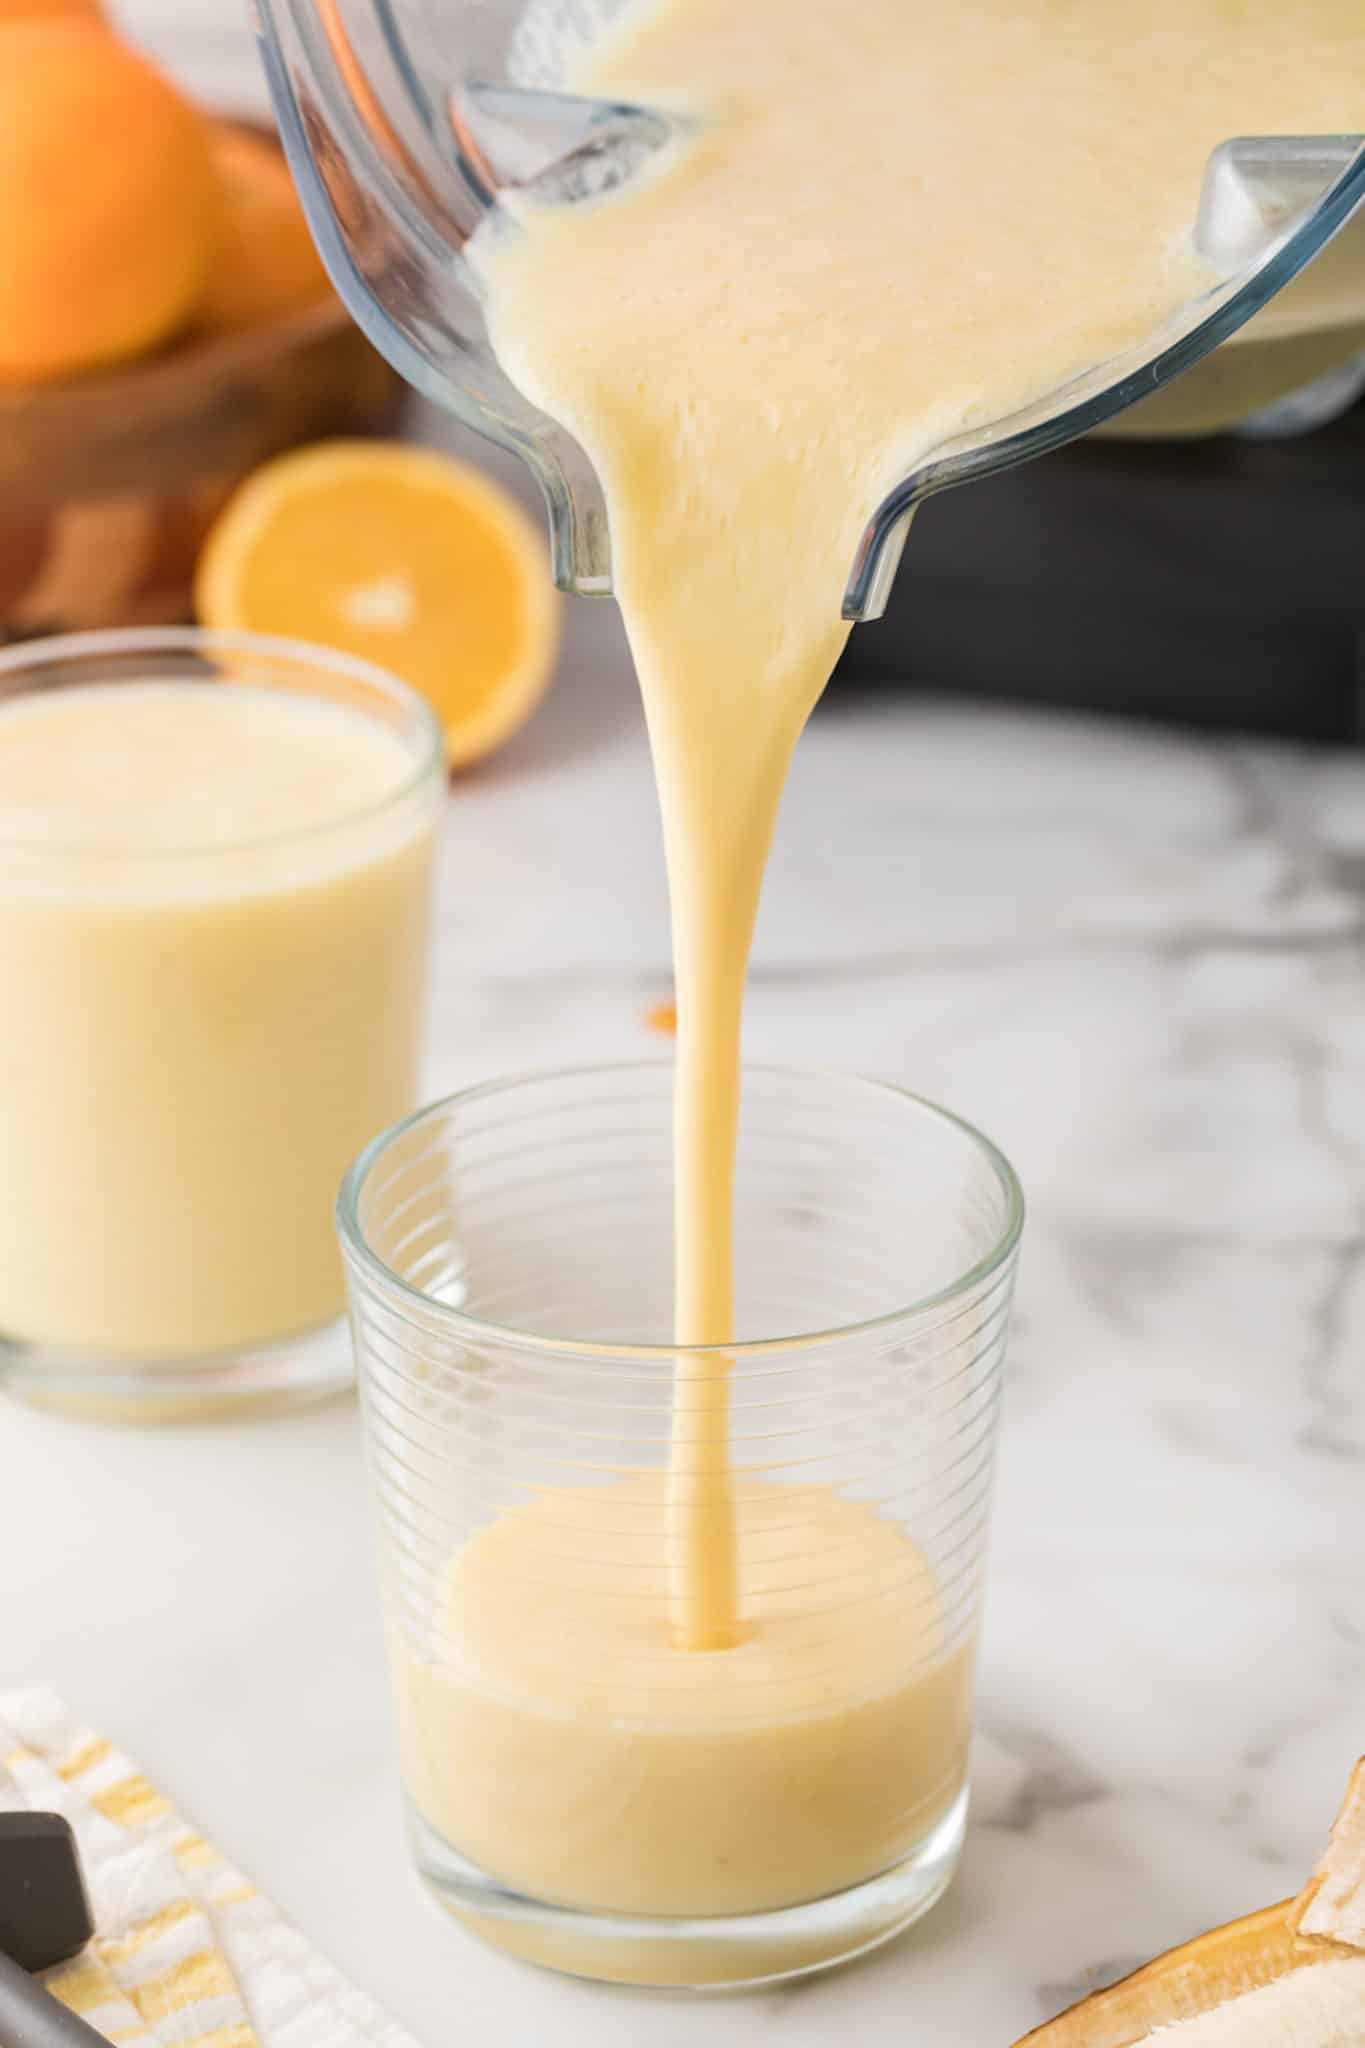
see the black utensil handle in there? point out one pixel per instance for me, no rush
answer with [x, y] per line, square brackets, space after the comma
[32, 2018]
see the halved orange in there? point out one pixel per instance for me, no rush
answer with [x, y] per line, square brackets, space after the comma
[416, 561]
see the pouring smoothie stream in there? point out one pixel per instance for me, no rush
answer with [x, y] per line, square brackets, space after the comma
[704, 1693]
[874, 226]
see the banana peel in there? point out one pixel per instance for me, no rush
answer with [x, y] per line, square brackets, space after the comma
[1325, 1923]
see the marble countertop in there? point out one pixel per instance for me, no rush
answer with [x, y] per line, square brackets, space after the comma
[1136, 960]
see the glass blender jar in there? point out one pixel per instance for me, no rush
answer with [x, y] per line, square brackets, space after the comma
[404, 119]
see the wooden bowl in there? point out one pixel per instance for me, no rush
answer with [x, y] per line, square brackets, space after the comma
[108, 483]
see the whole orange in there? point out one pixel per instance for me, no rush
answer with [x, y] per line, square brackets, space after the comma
[108, 202]
[11, 10]
[266, 261]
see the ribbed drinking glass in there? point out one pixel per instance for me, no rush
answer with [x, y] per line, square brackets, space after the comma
[582, 1790]
[200, 1017]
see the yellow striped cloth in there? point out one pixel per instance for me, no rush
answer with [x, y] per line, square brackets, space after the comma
[186, 1953]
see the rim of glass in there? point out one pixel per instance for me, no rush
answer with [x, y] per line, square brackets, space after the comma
[461, 1322]
[76, 649]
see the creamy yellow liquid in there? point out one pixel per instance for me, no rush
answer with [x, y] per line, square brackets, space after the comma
[569, 1747]
[885, 222]
[194, 1044]
[893, 220]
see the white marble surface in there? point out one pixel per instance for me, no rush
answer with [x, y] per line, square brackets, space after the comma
[1134, 959]
[1137, 961]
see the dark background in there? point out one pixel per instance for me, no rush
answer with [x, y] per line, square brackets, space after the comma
[1218, 583]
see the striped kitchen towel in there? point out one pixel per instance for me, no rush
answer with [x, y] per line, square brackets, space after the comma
[186, 1954]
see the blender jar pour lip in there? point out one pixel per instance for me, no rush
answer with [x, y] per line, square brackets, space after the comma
[1244, 189]
[396, 178]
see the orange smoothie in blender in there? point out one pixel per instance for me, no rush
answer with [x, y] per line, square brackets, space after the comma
[874, 225]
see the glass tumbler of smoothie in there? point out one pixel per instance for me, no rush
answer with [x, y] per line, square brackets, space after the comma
[214, 867]
[582, 1788]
